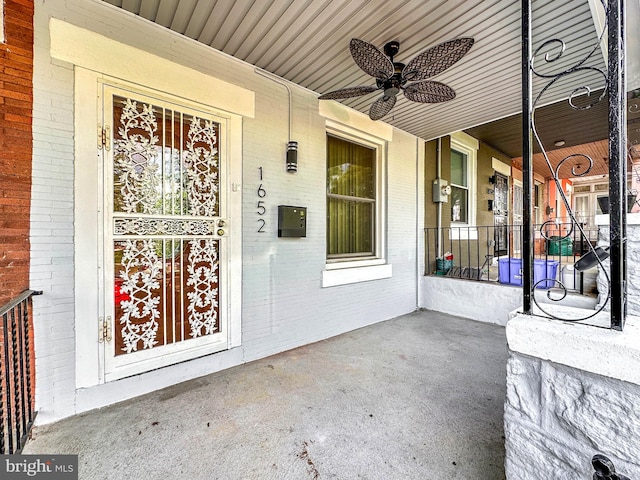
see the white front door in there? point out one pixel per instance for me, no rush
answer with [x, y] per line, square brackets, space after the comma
[583, 209]
[517, 217]
[164, 217]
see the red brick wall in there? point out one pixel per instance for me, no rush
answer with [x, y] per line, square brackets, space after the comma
[16, 101]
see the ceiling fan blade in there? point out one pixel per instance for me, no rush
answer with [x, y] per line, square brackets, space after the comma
[381, 107]
[428, 91]
[370, 59]
[437, 59]
[348, 92]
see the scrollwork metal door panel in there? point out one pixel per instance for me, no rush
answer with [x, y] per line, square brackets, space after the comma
[501, 215]
[165, 230]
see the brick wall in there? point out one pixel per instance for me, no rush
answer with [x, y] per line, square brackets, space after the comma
[16, 102]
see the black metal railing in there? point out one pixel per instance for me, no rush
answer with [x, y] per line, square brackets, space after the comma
[17, 371]
[494, 253]
[551, 68]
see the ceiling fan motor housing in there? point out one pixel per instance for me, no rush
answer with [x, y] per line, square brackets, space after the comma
[392, 85]
[391, 48]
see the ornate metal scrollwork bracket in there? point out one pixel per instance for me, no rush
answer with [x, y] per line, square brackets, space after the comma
[580, 98]
[605, 470]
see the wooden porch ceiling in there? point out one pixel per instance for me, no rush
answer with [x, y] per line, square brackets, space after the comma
[584, 132]
[575, 166]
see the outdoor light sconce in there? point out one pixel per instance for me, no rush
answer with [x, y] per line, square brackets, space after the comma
[549, 210]
[492, 179]
[292, 157]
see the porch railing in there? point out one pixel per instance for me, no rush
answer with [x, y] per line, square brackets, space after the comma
[493, 253]
[17, 372]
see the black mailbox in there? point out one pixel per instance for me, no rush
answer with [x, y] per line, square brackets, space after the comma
[292, 221]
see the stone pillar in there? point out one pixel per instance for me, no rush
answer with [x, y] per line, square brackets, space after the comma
[633, 262]
[572, 391]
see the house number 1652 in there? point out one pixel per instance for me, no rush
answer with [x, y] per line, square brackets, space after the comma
[261, 209]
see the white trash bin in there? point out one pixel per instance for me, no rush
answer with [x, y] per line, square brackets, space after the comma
[569, 275]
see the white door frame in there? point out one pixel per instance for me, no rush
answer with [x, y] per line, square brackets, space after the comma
[88, 245]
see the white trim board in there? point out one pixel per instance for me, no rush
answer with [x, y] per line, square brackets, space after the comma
[101, 54]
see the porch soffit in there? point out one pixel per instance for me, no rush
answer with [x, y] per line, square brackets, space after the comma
[307, 43]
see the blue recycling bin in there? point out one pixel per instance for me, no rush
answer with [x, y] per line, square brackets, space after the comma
[544, 271]
[510, 271]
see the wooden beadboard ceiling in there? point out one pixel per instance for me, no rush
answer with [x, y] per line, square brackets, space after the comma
[575, 166]
[307, 42]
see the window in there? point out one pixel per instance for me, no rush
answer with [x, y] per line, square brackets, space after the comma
[464, 150]
[351, 199]
[459, 187]
[356, 203]
[538, 199]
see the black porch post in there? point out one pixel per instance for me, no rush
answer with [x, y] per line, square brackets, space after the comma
[617, 161]
[527, 168]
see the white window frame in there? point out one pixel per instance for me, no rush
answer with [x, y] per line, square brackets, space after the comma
[341, 271]
[469, 146]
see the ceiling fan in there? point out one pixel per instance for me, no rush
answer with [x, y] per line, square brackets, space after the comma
[391, 77]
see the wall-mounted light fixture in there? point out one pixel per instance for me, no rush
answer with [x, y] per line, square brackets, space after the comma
[292, 157]
[492, 179]
[292, 147]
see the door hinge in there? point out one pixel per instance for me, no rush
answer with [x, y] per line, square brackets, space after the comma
[104, 137]
[104, 327]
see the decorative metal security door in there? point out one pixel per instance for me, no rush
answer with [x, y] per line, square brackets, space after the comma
[164, 233]
[501, 215]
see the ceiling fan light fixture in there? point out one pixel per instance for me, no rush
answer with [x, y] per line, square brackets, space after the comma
[392, 77]
[391, 92]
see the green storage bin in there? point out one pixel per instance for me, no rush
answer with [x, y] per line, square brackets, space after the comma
[557, 245]
[443, 266]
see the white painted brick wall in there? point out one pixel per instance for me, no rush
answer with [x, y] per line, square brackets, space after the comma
[468, 299]
[52, 230]
[284, 305]
[557, 418]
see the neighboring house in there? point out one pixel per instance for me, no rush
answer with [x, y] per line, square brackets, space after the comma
[166, 233]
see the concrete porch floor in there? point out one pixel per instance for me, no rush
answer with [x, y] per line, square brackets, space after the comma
[416, 397]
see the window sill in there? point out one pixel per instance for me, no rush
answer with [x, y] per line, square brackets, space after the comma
[347, 275]
[462, 231]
